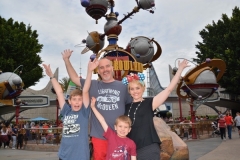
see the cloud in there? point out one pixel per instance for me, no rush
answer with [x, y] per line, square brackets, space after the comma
[62, 24]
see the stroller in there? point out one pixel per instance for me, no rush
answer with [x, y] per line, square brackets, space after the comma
[215, 132]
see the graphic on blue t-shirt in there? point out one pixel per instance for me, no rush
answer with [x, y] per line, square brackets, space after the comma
[111, 99]
[69, 126]
[120, 153]
[107, 99]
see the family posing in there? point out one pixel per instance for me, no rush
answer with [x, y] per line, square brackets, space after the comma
[121, 121]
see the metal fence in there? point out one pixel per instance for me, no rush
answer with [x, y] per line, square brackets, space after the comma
[202, 129]
[43, 135]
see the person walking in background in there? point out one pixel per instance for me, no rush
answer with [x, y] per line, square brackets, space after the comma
[44, 133]
[237, 121]
[141, 112]
[4, 136]
[20, 138]
[14, 136]
[219, 114]
[9, 128]
[229, 123]
[222, 127]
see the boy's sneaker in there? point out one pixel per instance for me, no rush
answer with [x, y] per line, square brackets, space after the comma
[224, 139]
[13, 148]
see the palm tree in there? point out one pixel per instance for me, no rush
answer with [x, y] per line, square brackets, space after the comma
[64, 83]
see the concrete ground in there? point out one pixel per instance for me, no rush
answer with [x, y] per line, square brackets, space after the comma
[207, 149]
[215, 148]
[10, 154]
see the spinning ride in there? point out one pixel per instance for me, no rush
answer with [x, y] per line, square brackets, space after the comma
[139, 52]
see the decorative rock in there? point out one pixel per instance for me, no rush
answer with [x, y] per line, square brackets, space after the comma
[172, 147]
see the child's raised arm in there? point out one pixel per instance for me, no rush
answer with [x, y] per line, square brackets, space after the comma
[56, 85]
[91, 66]
[98, 115]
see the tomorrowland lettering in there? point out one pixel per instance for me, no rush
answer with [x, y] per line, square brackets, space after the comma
[127, 65]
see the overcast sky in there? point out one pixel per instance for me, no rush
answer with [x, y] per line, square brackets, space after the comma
[62, 24]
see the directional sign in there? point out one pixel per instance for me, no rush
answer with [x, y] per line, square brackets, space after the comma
[33, 101]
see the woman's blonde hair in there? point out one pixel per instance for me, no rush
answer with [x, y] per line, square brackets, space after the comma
[141, 83]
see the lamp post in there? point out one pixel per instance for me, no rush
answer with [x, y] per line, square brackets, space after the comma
[180, 108]
[18, 102]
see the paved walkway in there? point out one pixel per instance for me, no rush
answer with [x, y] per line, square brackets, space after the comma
[10, 154]
[215, 148]
[207, 149]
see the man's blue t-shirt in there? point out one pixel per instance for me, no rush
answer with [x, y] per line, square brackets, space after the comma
[75, 141]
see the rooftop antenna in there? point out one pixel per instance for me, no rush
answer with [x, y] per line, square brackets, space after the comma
[79, 45]
[80, 73]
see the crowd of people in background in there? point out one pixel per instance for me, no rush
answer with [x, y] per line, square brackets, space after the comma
[180, 119]
[13, 135]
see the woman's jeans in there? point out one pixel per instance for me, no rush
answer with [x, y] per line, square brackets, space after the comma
[229, 129]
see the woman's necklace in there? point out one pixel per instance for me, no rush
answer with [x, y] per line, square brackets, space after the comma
[134, 115]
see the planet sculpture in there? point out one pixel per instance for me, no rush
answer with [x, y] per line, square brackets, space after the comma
[96, 8]
[10, 85]
[94, 42]
[146, 4]
[201, 82]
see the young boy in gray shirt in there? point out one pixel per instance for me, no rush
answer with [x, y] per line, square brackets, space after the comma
[74, 142]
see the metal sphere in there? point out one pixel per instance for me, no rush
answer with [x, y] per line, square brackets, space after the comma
[141, 46]
[174, 71]
[146, 4]
[206, 77]
[85, 3]
[84, 41]
[13, 80]
[17, 81]
[117, 14]
[97, 8]
[93, 42]
[112, 27]
[92, 57]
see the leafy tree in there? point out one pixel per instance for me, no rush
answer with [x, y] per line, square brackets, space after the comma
[19, 46]
[222, 40]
